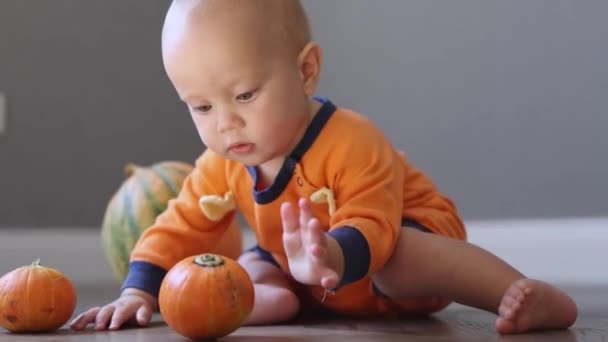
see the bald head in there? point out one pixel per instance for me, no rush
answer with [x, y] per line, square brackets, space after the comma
[280, 23]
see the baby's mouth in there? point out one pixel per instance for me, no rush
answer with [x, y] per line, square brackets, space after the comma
[241, 148]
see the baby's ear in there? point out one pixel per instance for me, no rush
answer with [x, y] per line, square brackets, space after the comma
[309, 62]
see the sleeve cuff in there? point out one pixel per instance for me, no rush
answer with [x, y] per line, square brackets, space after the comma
[144, 276]
[356, 253]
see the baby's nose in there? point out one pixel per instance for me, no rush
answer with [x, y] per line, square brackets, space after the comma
[228, 121]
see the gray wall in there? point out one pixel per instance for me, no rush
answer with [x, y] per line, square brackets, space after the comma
[503, 103]
[86, 94]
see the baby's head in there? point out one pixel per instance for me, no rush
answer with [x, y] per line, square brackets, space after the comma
[246, 69]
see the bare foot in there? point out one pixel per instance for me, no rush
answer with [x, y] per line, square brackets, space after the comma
[530, 305]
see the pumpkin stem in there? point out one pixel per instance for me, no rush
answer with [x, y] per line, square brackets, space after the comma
[209, 260]
[36, 263]
[130, 169]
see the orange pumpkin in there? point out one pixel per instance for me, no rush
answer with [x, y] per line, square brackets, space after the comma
[35, 299]
[206, 296]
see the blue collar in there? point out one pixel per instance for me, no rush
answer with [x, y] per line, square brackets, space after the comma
[287, 169]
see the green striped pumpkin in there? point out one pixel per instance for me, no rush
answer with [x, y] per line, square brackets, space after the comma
[134, 207]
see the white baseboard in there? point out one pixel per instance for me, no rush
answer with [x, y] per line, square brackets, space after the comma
[567, 251]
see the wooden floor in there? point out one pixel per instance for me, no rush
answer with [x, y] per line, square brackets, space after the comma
[456, 323]
[77, 252]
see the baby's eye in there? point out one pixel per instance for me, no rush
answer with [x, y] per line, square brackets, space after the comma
[245, 96]
[202, 109]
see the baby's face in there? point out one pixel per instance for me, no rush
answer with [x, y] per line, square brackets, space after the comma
[245, 95]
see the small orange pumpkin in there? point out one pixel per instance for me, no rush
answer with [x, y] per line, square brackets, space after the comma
[206, 296]
[35, 298]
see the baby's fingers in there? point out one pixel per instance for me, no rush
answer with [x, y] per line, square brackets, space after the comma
[313, 234]
[305, 212]
[329, 280]
[122, 314]
[84, 319]
[292, 239]
[103, 317]
[289, 218]
[143, 316]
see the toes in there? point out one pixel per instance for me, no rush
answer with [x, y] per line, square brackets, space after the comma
[518, 291]
[506, 312]
[509, 312]
[504, 326]
[511, 303]
[514, 291]
[508, 301]
[523, 285]
[508, 307]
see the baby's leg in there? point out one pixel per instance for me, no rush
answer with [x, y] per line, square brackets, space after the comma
[428, 265]
[274, 300]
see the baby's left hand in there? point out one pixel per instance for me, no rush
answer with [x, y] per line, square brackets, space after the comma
[306, 246]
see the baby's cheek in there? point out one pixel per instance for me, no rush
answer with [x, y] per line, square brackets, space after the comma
[208, 136]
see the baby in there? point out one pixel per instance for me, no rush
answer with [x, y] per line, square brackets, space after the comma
[343, 221]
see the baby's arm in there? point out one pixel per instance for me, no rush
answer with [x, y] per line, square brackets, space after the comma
[425, 208]
[362, 231]
[182, 230]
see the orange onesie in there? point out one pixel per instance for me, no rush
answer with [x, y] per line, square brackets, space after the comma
[362, 192]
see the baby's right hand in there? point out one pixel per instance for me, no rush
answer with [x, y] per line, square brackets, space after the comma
[133, 305]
